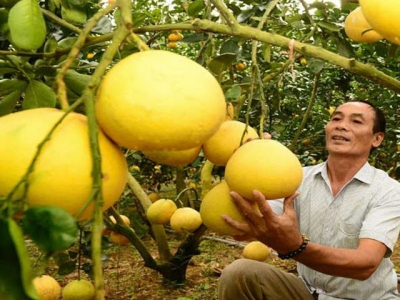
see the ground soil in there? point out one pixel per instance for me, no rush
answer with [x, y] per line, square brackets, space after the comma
[126, 278]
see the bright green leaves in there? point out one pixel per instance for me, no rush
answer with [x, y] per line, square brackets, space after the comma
[16, 275]
[27, 25]
[38, 94]
[10, 90]
[50, 227]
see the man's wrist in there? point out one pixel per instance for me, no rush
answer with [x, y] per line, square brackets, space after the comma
[297, 251]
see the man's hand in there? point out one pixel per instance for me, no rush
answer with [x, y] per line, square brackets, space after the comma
[279, 232]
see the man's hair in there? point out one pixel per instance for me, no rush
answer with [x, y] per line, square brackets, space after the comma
[380, 119]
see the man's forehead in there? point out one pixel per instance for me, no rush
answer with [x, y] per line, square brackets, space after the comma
[355, 107]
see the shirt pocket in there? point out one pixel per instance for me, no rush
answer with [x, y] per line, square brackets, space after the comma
[348, 236]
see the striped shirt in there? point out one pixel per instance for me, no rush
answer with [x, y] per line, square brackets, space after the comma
[367, 207]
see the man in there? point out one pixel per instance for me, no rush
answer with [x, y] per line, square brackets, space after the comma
[349, 211]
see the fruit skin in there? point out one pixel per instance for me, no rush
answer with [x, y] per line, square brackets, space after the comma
[216, 203]
[160, 211]
[303, 61]
[154, 197]
[222, 144]
[257, 251]
[240, 66]
[185, 219]
[383, 17]
[118, 239]
[164, 102]
[124, 218]
[62, 173]
[174, 158]
[78, 290]
[264, 165]
[47, 287]
[358, 29]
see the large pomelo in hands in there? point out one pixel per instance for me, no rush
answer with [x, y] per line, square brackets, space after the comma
[62, 174]
[383, 17]
[158, 100]
[218, 202]
[264, 165]
[358, 29]
[230, 135]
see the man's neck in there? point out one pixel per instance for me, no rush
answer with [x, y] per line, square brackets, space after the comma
[342, 169]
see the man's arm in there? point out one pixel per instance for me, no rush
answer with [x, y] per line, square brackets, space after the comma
[281, 233]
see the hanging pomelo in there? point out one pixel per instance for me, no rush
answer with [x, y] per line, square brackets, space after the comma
[358, 29]
[62, 172]
[158, 100]
[230, 135]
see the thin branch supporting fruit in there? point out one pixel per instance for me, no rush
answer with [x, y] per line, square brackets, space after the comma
[158, 230]
[307, 113]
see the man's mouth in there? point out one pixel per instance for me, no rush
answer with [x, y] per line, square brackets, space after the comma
[339, 138]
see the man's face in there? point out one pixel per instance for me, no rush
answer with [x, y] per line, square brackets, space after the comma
[350, 130]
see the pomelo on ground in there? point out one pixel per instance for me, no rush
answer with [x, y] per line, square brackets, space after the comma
[78, 290]
[264, 165]
[257, 251]
[62, 174]
[358, 29]
[124, 218]
[160, 211]
[159, 100]
[118, 239]
[185, 219]
[216, 203]
[47, 287]
[230, 135]
[174, 158]
[383, 17]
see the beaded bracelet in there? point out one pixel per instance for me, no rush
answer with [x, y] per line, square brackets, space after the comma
[296, 252]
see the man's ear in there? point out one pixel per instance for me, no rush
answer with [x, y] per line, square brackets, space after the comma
[378, 138]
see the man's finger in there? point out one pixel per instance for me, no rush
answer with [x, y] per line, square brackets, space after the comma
[288, 203]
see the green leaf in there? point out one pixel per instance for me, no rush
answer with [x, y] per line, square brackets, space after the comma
[266, 51]
[233, 93]
[50, 227]
[329, 26]
[8, 86]
[8, 103]
[195, 8]
[220, 63]
[38, 94]
[230, 47]
[16, 275]
[67, 268]
[316, 65]
[27, 25]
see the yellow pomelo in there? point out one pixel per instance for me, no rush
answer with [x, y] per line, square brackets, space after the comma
[124, 218]
[154, 197]
[230, 135]
[264, 165]
[218, 202]
[159, 100]
[185, 219]
[78, 290]
[160, 211]
[118, 239]
[174, 158]
[358, 29]
[383, 17]
[62, 173]
[47, 287]
[257, 251]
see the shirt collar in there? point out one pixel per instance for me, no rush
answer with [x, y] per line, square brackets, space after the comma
[365, 174]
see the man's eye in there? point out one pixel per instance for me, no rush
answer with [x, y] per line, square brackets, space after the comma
[357, 121]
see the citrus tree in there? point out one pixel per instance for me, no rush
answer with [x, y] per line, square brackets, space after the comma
[282, 66]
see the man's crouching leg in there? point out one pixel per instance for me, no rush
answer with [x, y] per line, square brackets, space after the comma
[247, 279]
